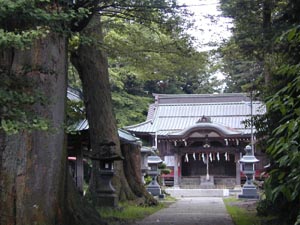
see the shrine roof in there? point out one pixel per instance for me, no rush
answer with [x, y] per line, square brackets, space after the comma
[174, 113]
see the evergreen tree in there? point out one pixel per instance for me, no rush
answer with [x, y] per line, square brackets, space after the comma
[269, 45]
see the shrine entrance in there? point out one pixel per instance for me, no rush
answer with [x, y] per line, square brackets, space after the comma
[207, 156]
[215, 163]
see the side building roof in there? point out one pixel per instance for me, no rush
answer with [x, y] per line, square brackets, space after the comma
[76, 95]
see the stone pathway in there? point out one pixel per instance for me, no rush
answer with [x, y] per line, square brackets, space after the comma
[191, 211]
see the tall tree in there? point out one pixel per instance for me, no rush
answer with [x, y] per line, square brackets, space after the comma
[153, 53]
[35, 184]
[276, 51]
[246, 55]
[150, 58]
[282, 126]
[28, 178]
[91, 64]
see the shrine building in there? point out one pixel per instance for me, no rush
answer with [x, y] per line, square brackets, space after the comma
[201, 137]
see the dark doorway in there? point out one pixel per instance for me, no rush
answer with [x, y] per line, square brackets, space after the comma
[222, 164]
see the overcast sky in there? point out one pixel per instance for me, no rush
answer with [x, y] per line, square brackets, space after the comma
[210, 26]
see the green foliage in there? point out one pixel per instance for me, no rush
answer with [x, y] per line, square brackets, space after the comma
[282, 188]
[241, 55]
[163, 169]
[23, 21]
[155, 60]
[75, 113]
[21, 40]
[17, 96]
[248, 58]
[129, 109]
[263, 55]
[147, 179]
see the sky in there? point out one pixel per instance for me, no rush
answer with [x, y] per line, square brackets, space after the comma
[210, 26]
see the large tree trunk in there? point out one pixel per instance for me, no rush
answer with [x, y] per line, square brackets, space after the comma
[33, 164]
[132, 169]
[92, 66]
[31, 179]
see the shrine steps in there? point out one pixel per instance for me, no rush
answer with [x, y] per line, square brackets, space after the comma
[180, 192]
[218, 183]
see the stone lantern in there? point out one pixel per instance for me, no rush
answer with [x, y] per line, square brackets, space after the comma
[248, 160]
[153, 187]
[105, 192]
[145, 152]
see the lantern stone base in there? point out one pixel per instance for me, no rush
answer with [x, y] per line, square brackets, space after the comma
[155, 191]
[154, 187]
[107, 200]
[105, 193]
[249, 192]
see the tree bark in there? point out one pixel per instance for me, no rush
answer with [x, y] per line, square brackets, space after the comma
[34, 179]
[92, 66]
[132, 169]
[31, 180]
[267, 37]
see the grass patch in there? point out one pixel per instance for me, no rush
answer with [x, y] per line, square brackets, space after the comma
[169, 198]
[128, 212]
[243, 212]
[240, 215]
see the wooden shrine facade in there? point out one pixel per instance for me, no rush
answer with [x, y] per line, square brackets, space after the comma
[200, 135]
[205, 149]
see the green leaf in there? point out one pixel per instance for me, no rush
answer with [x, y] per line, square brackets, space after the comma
[291, 34]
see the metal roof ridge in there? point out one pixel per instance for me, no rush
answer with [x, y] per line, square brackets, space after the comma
[208, 103]
[139, 124]
[201, 95]
[214, 116]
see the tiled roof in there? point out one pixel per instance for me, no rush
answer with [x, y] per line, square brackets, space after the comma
[74, 95]
[123, 134]
[174, 117]
[151, 111]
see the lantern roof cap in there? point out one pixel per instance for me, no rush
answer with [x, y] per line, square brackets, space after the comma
[249, 157]
[154, 159]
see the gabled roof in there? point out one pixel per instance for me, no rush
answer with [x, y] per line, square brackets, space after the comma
[174, 113]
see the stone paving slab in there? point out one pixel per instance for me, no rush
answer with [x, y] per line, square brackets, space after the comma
[179, 192]
[191, 211]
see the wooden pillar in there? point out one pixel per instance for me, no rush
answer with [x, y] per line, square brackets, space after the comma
[207, 167]
[238, 170]
[176, 179]
[79, 170]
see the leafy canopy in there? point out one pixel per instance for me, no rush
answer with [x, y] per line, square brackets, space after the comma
[22, 22]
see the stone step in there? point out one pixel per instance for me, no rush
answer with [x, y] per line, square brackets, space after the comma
[219, 183]
[189, 186]
[180, 192]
